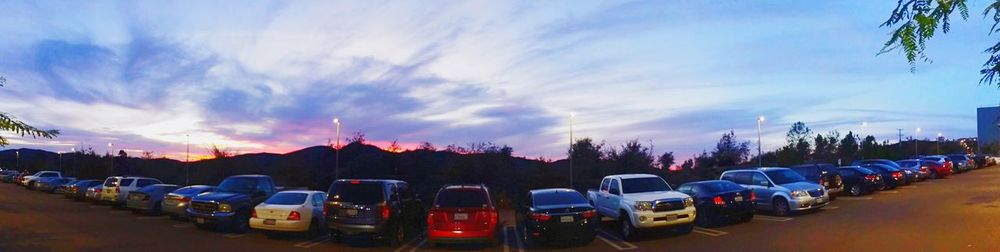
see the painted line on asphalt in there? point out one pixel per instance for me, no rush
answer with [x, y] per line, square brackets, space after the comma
[419, 245]
[116, 212]
[506, 247]
[607, 238]
[313, 242]
[96, 207]
[709, 231]
[234, 236]
[517, 240]
[152, 218]
[769, 218]
[854, 198]
[892, 191]
[831, 207]
[187, 225]
[421, 237]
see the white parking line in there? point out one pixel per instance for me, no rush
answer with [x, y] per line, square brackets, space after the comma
[419, 239]
[234, 236]
[831, 207]
[421, 244]
[506, 247]
[709, 231]
[313, 242]
[893, 191]
[769, 218]
[182, 225]
[116, 212]
[96, 207]
[517, 239]
[854, 198]
[604, 236]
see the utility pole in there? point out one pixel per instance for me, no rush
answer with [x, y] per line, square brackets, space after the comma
[571, 116]
[187, 161]
[899, 145]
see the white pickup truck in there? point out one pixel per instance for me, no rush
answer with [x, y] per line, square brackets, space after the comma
[641, 201]
[31, 181]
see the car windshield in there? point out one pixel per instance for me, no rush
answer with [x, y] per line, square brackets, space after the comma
[461, 198]
[784, 176]
[721, 186]
[189, 190]
[356, 193]
[558, 198]
[238, 185]
[640, 185]
[287, 199]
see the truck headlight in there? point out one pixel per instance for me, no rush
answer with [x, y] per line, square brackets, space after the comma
[643, 206]
[225, 208]
[799, 193]
[688, 202]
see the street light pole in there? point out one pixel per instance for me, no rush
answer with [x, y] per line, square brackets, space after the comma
[75, 171]
[111, 168]
[336, 166]
[571, 116]
[187, 161]
[18, 156]
[939, 143]
[916, 143]
[760, 153]
[864, 128]
[60, 163]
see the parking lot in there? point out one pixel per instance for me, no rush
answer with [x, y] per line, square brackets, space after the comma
[956, 213]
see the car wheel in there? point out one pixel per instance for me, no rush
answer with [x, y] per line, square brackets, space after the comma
[685, 229]
[746, 217]
[934, 175]
[241, 224]
[625, 228]
[703, 219]
[855, 190]
[781, 207]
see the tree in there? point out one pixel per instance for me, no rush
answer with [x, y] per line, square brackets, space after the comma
[358, 137]
[798, 148]
[826, 147]
[847, 151]
[9, 123]
[217, 152]
[667, 160]
[587, 163]
[394, 147]
[427, 146]
[916, 21]
[729, 152]
[633, 157]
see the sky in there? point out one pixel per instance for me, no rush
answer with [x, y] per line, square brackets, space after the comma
[264, 76]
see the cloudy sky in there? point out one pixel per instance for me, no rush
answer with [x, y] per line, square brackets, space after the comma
[270, 76]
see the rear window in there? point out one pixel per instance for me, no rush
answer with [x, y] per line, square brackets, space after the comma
[126, 182]
[722, 186]
[110, 182]
[287, 199]
[359, 194]
[558, 198]
[459, 198]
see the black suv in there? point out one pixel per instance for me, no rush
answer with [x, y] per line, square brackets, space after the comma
[386, 209]
[824, 174]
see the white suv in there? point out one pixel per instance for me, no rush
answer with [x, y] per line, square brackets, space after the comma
[118, 191]
[30, 181]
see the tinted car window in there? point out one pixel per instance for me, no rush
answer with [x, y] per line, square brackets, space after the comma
[461, 198]
[145, 182]
[362, 193]
[638, 185]
[287, 199]
[720, 186]
[238, 185]
[907, 163]
[614, 186]
[126, 182]
[560, 198]
[110, 182]
[49, 174]
[848, 172]
[759, 179]
[958, 157]
[784, 176]
[604, 184]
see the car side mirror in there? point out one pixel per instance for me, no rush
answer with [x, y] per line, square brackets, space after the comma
[614, 191]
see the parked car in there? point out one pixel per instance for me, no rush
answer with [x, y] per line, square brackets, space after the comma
[860, 181]
[78, 190]
[463, 214]
[19, 180]
[891, 177]
[8, 176]
[823, 174]
[50, 184]
[175, 203]
[643, 201]
[916, 165]
[230, 205]
[980, 160]
[556, 216]
[148, 199]
[291, 211]
[386, 209]
[94, 193]
[780, 190]
[719, 201]
[962, 162]
[117, 193]
[939, 166]
[31, 180]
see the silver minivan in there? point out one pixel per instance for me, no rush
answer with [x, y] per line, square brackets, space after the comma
[780, 190]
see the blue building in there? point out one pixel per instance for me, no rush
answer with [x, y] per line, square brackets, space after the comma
[988, 126]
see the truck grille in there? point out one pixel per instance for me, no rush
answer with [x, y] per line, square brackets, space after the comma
[207, 207]
[668, 205]
[816, 193]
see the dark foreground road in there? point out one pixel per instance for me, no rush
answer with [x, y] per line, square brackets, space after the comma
[960, 213]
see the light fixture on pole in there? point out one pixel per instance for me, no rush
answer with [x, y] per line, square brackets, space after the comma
[18, 157]
[571, 116]
[916, 143]
[336, 167]
[939, 142]
[111, 169]
[760, 157]
[73, 151]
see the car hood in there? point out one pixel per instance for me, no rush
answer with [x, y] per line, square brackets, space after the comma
[652, 196]
[801, 186]
[219, 196]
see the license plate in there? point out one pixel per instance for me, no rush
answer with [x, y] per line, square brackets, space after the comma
[199, 220]
[461, 216]
[671, 217]
[738, 198]
[566, 219]
[351, 212]
[269, 222]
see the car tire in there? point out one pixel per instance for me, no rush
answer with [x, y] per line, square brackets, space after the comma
[625, 228]
[241, 224]
[855, 190]
[703, 220]
[746, 217]
[934, 175]
[685, 229]
[780, 207]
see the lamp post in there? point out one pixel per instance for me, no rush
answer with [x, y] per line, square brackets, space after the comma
[111, 168]
[336, 167]
[571, 116]
[760, 153]
[187, 160]
[864, 128]
[939, 142]
[916, 143]
[18, 157]
[60, 162]
[73, 151]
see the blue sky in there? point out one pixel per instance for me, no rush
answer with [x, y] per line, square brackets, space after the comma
[270, 76]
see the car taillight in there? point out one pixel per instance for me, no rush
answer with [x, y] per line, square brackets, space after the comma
[589, 214]
[897, 175]
[718, 201]
[294, 216]
[494, 217]
[385, 212]
[118, 189]
[871, 178]
[753, 196]
[430, 219]
[253, 213]
[822, 181]
[326, 209]
[183, 199]
[541, 217]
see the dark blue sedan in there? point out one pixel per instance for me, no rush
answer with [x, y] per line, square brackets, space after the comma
[860, 181]
[892, 177]
[719, 201]
[557, 216]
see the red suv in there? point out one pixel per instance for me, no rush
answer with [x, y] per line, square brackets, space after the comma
[463, 214]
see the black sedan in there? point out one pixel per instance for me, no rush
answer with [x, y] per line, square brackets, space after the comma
[891, 177]
[78, 189]
[557, 216]
[719, 201]
[860, 181]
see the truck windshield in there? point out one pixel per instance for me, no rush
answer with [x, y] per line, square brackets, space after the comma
[358, 194]
[287, 199]
[237, 185]
[640, 185]
[784, 176]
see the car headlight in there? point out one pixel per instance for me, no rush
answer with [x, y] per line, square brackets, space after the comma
[688, 202]
[643, 206]
[225, 208]
[799, 193]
